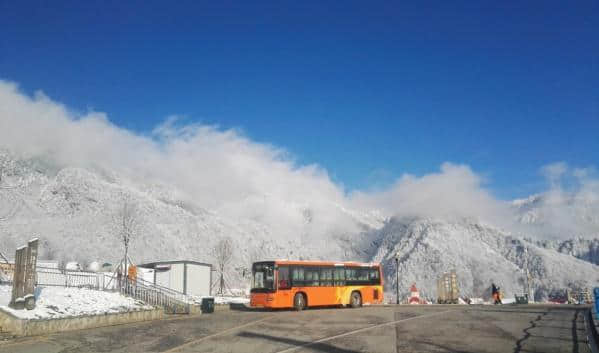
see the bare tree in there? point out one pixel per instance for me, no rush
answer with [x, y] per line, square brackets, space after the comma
[128, 224]
[222, 253]
[3, 167]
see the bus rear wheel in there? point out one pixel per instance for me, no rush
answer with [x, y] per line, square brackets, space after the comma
[299, 302]
[356, 300]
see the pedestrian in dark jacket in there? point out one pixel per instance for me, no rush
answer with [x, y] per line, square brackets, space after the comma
[496, 294]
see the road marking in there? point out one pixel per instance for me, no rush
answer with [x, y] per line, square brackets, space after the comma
[358, 330]
[187, 344]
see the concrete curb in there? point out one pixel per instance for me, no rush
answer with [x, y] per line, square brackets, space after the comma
[34, 327]
[221, 307]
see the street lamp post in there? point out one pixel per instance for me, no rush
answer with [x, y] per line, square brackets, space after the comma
[397, 278]
[528, 276]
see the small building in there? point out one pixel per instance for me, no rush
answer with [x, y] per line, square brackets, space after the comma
[185, 276]
[415, 296]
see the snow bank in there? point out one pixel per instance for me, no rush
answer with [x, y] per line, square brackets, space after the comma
[5, 294]
[231, 300]
[223, 300]
[60, 302]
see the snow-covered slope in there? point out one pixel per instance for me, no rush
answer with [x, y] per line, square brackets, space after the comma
[72, 210]
[561, 214]
[581, 248]
[480, 254]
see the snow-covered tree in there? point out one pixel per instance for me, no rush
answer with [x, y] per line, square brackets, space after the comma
[222, 253]
[128, 224]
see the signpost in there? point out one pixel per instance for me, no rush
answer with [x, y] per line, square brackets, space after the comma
[397, 277]
[30, 272]
[596, 292]
[18, 290]
[23, 284]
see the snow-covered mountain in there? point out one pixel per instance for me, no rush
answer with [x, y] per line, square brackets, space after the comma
[581, 248]
[72, 210]
[561, 214]
[481, 254]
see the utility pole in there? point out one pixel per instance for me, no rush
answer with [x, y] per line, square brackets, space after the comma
[528, 276]
[222, 282]
[397, 277]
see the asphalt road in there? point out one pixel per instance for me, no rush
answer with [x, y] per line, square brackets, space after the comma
[433, 328]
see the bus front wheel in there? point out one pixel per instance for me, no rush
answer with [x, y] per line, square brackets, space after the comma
[299, 302]
[356, 300]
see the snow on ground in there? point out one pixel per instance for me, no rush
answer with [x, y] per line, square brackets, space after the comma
[231, 300]
[60, 302]
[5, 293]
[223, 300]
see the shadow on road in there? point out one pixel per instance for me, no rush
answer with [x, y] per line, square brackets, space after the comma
[243, 307]
[507, 310]
[574, 333]
[323, 347]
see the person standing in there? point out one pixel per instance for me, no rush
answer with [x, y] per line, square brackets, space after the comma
[496, 294]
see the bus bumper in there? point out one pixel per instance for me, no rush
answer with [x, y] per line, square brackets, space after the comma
[262, 300]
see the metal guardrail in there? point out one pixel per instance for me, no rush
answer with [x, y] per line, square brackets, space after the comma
[67, 278]
[48, 276]
[591, 324]
[172, 301]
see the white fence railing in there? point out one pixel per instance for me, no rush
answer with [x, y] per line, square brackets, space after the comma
[173, 301]
[46, 276]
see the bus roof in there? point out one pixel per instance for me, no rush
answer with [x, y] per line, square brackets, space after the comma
[326, 263]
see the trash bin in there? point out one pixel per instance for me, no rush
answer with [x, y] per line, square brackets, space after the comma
[522, 299]
[207, 305]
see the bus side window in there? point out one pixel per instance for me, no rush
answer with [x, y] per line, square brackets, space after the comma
[326, 276]
[283, 278]
[350, 276]
[339, 276]
[298, 276]
[374, 276]
[270, 278]
[363, 275]
[312, 276]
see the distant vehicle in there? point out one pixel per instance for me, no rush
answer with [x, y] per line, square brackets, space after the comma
[301, 284]
[93, 266]
[73, 266]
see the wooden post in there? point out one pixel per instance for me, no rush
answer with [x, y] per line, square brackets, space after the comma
[30, 273]
[18, 286]
[23, 284]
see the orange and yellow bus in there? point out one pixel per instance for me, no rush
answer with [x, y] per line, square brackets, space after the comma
[299, 284]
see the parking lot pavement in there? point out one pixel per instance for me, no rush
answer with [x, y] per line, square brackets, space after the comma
[432, 328]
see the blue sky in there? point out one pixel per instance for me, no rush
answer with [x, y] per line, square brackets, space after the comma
[367, 90]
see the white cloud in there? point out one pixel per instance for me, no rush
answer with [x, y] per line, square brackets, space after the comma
[570, 207]
[455, 191]
[554, 172]
[221, 170]
[224, 171]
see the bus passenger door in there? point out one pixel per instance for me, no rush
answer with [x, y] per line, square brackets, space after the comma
[283, 287]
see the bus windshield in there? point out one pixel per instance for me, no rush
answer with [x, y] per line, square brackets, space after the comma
[263, 278]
